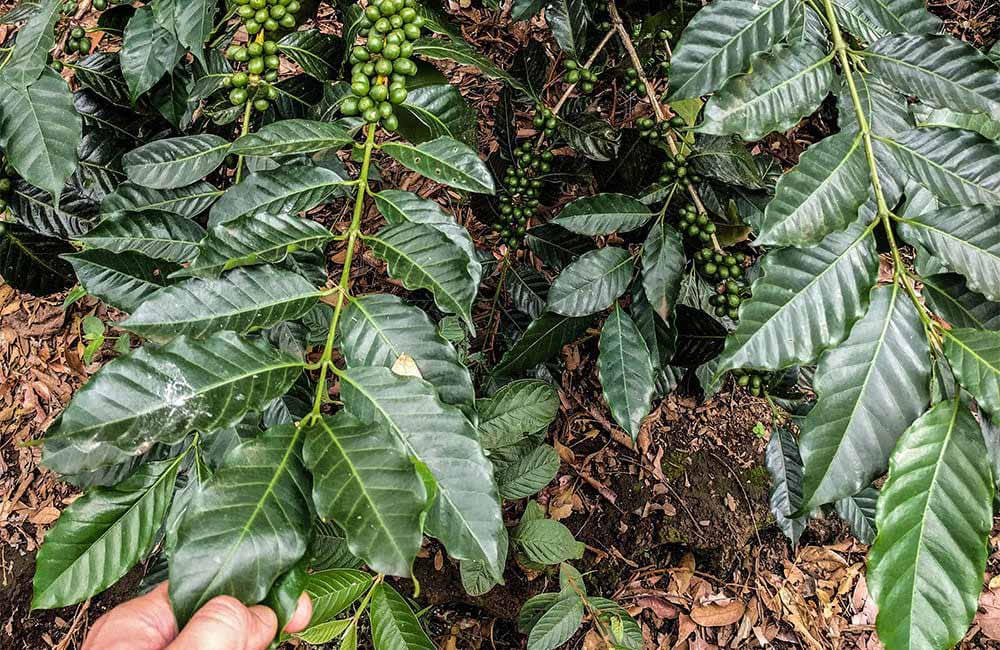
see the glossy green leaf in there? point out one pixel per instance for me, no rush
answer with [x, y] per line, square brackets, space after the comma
[263, 489]
[660, 335]
[422, 257]
[901, 16]
[555, 245]
[805, 302]
[254, 239]
[542, 340]
[328, 632]
[394, 625]
[35, 39]
[242, 300]
[663, 265]
[161, 394]
[102, 535]
[568, 21]
[885, 108]
[547, 541]
[949, 297]
[975, 357]
[375, 330]
[123, 280]
[334, 590]
[967, 240]
[528, 289]
[477, 579]
[293, 136]
[398, 207]
[175, 162]
[820, 195]
[160, 235]
[784, 85]
[290, 188]
[363, 480]
[626, 371]
[446, 161]
[40, 131]
[31, 262]
[557, 624]
[465, 515]
[519, 409]
[187, 201]
[462, 52]
[939, 69]
[603, 214]
[591, 283]
[316, 52]
[934, 517]
[859, 513]
[530, 474]
[148, 52]
[982, 124]
[193, 22]
[437, 110]
[959, 167]
[720, 40]
[870, 389]
[785, 465]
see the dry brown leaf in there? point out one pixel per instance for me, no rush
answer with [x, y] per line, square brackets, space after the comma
[717, 614]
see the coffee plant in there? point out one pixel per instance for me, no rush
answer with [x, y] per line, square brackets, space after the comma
[264, 428]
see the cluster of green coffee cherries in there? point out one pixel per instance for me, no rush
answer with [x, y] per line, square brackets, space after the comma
[577, 73]
[7, 176]
[716, 265]
[267, 15]
[755, 382]
[728, 297]
[696, 226]
[676, 170]
[68, 7]
[544, 120]
[79, 42]
[519, 196]
[657, 131]
[255, 84]
[381, 65]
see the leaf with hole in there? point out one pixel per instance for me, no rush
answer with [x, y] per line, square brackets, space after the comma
[446, 161]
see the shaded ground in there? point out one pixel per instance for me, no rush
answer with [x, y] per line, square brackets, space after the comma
[677, 530]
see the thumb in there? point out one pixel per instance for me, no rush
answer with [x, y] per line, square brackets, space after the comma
[225, 623]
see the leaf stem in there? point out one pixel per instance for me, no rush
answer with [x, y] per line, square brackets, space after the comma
[616, 21]
[345, 276]
[899, 272]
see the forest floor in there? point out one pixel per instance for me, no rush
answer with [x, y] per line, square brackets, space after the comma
[677, 526]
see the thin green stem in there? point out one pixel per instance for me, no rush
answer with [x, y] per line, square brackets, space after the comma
[243, 131]
[353, 232]
[884, 214]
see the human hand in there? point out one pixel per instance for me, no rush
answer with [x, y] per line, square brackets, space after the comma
[223, 623]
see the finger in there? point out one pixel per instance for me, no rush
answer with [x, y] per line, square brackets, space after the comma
[143, 623]
[225, 623]
[303, 613]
